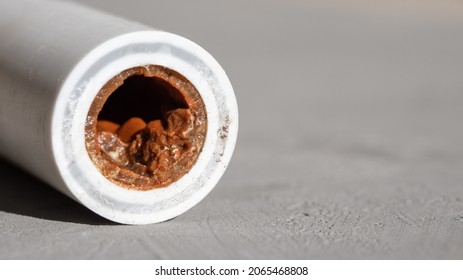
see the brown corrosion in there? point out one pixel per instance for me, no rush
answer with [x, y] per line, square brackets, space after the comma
[153, 151]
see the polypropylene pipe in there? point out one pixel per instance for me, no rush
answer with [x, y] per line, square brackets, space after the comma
[66, 69]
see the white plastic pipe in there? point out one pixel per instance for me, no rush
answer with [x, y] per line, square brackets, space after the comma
[54, 58]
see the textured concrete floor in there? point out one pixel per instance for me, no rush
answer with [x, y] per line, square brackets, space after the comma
[350, 139]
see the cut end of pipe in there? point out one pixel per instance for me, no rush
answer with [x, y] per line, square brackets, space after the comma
[146, 128]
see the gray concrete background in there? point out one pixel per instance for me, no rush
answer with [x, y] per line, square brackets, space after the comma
[350, 140]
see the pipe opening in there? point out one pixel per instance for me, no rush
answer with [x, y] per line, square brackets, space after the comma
[147, 98]
[146, 128]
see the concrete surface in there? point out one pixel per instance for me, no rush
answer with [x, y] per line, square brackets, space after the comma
[350, 141]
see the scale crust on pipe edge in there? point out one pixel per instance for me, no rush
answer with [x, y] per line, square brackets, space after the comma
[52, 69]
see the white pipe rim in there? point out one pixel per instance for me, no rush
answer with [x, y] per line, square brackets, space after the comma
[79, 174]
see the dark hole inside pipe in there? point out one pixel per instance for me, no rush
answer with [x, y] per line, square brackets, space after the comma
[145, 97]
